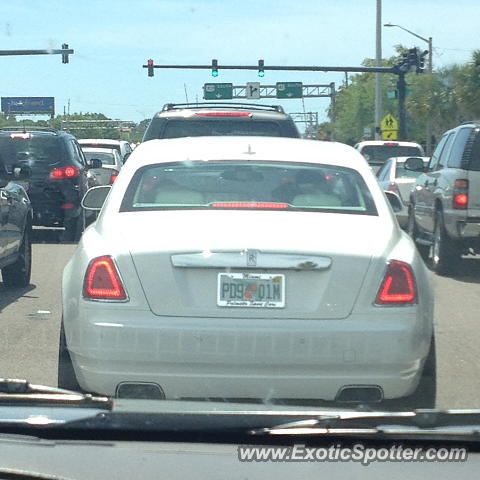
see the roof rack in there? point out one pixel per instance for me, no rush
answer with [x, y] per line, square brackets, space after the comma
[244, 106]
[25, 128]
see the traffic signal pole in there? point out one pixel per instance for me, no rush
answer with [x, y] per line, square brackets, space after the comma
[411, 60]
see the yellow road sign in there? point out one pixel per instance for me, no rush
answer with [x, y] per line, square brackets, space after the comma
[389, 134]
[389, 122]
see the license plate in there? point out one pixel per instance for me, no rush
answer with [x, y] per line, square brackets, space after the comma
[258, 290]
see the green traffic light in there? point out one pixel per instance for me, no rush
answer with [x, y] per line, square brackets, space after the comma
[214, 73]
[261, 73]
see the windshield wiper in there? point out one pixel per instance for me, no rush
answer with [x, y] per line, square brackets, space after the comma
[418, 423]
[16, 391]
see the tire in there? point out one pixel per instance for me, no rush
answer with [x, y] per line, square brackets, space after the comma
[426, 392]
[412, 230]
[74, 228]
[66, 373]
[445, 254]
[18, 274]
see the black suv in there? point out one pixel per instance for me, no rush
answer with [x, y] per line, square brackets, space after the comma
[58, 175]
[211, 119]
[15, 227]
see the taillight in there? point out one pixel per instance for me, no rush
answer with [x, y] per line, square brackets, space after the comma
[460, 194]
[113, 176]
[64, 172]
[398, 286]
[102, 280]
[253, 205]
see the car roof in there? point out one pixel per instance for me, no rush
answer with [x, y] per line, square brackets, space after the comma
[248, 148]
[101, 140]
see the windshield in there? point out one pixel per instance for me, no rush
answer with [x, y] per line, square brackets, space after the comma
[229, 259]
[105, 158]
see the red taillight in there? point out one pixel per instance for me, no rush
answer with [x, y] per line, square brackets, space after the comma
[390, 144]
[224, 114]
[64, 172]
[67, 206]
[113, 176]
[254, 205]
[460, 194]
[102, 281]
[398, 286]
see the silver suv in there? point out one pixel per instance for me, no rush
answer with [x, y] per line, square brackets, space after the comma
[444, 213]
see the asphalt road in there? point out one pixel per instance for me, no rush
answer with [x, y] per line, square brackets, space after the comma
[30, 320]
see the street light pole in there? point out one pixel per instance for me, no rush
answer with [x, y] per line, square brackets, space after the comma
[378, 76]
[428, 126]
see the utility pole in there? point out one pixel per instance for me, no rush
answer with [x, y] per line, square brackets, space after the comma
[378, 76]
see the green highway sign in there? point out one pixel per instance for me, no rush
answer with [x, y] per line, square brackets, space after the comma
[218, 91]
[289, 90]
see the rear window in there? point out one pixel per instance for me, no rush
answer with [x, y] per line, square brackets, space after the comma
[401, 172]
[378, 154]
[101, 145]
[252, 185]
[105, 158]
[201, 128]
[40, 153]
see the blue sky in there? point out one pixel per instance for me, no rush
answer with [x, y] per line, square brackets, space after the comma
[113, 39]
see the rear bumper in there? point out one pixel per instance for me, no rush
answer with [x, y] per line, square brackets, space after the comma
[245, 358]
[469, 228]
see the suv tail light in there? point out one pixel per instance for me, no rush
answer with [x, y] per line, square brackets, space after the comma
[460, 194]
[113, 176]
[398, 286]
[102, 281]
[62, 173]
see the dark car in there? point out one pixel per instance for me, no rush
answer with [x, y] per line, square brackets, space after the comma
[212, 119]
[15, 227]
[58, 175]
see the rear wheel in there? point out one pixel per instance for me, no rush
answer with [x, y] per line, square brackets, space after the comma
[18, 274]
[66, 373]
[445, 254]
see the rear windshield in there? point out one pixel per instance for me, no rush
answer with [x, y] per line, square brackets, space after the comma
[252, 185]
[379, 154]
[101, 145]
[401, 172]
[202, 128]
[106, 158]
[38, 152]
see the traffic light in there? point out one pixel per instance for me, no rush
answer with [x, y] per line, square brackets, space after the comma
[421, 61]
[150, 67]
[413, 59]
[64, 55]
[261, 71]
[214, 67]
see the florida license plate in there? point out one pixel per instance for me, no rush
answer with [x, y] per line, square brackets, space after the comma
[258, 290]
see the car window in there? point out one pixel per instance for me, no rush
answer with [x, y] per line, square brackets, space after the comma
[432, 165]
[105, 158]
[401, 172]
[199, 128]
[458, 147]
[442, 159]
[215, 185]
[384, 171]
[379, 153]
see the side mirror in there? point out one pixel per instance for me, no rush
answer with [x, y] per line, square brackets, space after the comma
[395, 201]
[95, 163]
[414, 164]
[95, 197]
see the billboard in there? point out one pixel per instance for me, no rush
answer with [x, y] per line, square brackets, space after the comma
[28, 105]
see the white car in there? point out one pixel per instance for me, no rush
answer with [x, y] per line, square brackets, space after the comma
[123, 147]
[111, 164]
[265, 268]
[376, 152]
[393, 177]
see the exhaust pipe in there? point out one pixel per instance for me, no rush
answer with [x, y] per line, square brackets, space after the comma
[140, 390]
[360, 393]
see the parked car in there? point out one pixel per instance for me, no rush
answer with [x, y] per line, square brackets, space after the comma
[444, 213]
[58, 175]
[377, 152]
[214, 119]
[122, 146]
[198, 280]
[15, 226]
[111, 164]
[393, 177]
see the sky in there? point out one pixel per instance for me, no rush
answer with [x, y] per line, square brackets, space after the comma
[113, 39]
